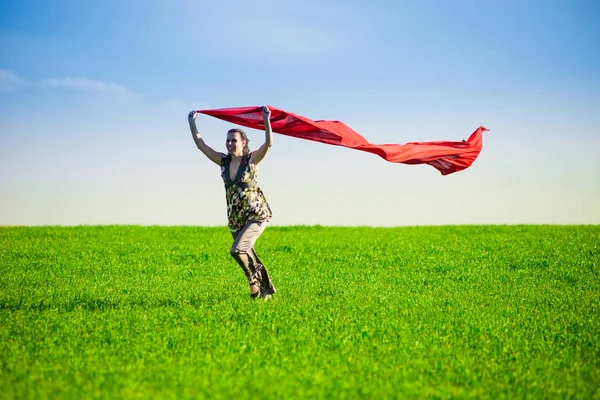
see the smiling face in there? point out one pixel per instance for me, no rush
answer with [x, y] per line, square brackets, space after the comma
[235, 144]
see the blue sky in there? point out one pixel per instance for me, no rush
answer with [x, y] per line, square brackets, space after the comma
[94, 98]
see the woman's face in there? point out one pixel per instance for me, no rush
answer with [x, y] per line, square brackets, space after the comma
[235, 144]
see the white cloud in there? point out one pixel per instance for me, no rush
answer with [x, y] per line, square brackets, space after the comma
[10, 81]
[88, 85]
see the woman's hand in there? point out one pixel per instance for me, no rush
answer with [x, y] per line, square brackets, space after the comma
[192, 116]
[266, 113]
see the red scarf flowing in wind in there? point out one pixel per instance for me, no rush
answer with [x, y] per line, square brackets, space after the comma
[447, 157]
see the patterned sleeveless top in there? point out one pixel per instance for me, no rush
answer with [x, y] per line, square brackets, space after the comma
[245, 201]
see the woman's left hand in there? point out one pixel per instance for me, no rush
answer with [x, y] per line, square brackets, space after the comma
[266, 113]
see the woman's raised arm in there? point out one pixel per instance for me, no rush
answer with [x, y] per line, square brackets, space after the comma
[260, 153]
[213, 155]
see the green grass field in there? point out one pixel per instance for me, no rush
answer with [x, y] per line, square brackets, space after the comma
[416, 312]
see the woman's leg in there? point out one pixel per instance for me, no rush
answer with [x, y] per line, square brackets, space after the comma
[242, 250]
[266, 286]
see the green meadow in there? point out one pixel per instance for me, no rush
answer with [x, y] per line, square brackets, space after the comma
[413, 312]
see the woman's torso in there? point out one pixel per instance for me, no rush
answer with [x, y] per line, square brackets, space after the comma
[245, 200]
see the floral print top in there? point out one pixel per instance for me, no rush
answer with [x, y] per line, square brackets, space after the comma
[245, 201]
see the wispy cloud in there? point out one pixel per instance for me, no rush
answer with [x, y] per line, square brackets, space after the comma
[92, 86]
[10, 81]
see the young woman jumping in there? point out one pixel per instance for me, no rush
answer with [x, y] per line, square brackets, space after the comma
[247, 209]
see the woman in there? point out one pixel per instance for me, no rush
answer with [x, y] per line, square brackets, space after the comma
[247, 209]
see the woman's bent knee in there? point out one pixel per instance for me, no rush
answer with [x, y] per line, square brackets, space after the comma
[236, 251]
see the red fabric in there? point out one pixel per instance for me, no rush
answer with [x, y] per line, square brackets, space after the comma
[447, 157]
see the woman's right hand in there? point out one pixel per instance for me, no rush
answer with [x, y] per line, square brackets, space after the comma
[266, 113]
[192, 116]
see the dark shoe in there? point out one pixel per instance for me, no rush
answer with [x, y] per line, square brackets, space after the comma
[267, 293]
[266, 286]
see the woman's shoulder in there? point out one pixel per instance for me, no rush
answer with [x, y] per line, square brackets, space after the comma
[225, 158]
[251, 159]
